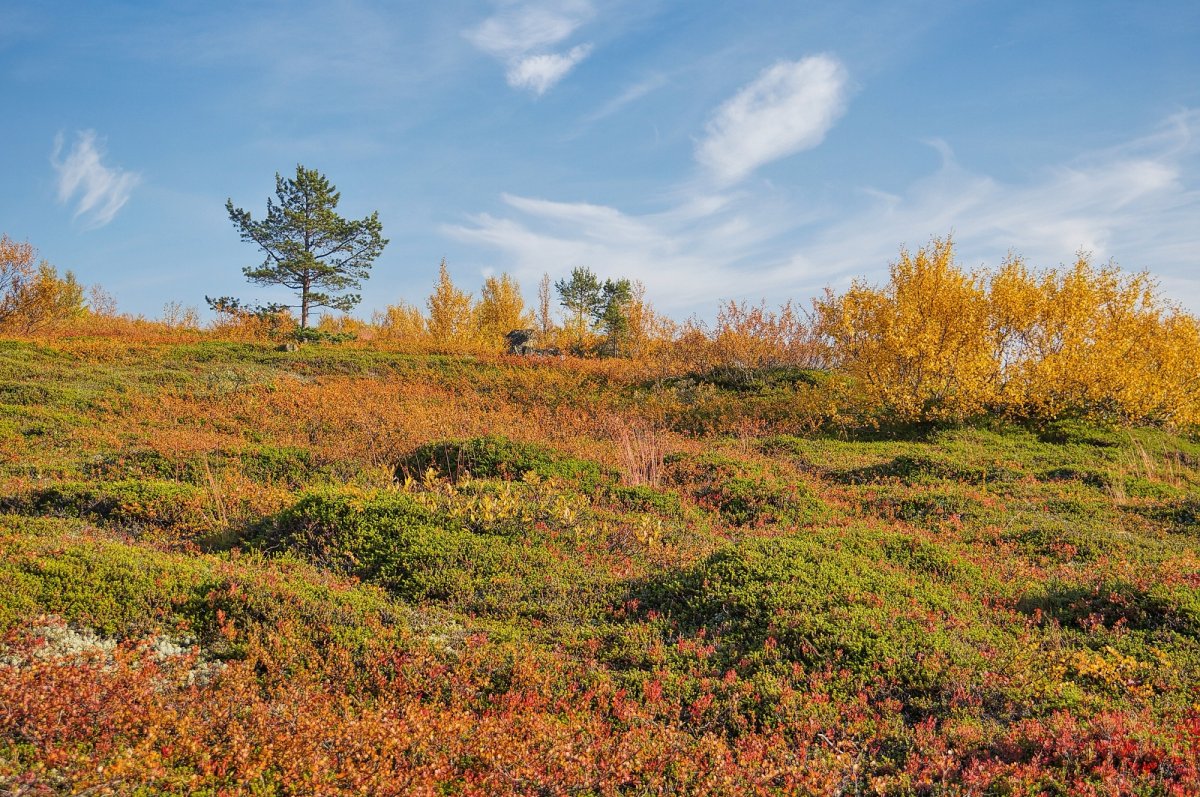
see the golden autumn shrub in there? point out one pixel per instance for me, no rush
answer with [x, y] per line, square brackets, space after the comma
[650, 335]
[238, 324]
[451, 314]
[939, 343]
[919, 346]
[755, 337]
[1091, 340]
[345, 325]
[33, 297]
[501, 309]
[400, 322]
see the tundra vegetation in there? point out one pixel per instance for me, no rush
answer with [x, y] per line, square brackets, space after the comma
[938, 536]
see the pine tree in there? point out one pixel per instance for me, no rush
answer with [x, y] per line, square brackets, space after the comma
[309, 248]
[583, 298]
[613, 319]
[596, 307]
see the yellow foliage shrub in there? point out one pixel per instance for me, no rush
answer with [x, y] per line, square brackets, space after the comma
[919, 346]
[940, 343]
[501, 309]
[754, 337]
[33, 297]
[451, 315]
[243, 325]
[1091, 340]
[400, 322]
[345, 325]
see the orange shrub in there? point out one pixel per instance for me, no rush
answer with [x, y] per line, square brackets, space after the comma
[33, 297]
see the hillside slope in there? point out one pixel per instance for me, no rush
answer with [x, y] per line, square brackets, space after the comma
[227, 569]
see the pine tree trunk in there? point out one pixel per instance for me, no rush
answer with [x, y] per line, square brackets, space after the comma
[304, 305]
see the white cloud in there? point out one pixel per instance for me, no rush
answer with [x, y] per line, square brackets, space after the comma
[788, 108]
[686, 255]
[521, 34]
[539, 72]
[1136, 203]
[518, 28]
[101, 191]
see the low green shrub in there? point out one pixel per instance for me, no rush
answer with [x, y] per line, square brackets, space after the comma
[134, 463]
[284, 465]
[499, 457]
[1072, 431]
[927, 506]
[742, 494]
[884, 608]
[131, 504]
[1183, 513]
[643, 498]
[1116, 604]
[393, 540]
[1092, 477]
[927, 467]
[123, 589]
[1140, 487]
[756, 379]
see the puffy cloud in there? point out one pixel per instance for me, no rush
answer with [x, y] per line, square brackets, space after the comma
[521, 35]
[789, 107]
[99, 191]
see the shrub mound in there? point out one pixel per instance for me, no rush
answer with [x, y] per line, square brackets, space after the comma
[498, 457]
[422, 556]
[885, 609]
[742, 494]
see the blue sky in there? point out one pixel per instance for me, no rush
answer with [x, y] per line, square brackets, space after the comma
[712, 150]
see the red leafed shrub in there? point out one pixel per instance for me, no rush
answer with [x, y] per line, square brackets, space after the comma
[486, 721]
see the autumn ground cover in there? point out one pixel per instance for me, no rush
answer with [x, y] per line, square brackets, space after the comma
[228, 569]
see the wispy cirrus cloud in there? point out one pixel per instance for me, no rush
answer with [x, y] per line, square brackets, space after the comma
[629, 95]
[789, 107]
[687, 255]
[1136, 200]
[523, 35]
[98, 191]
